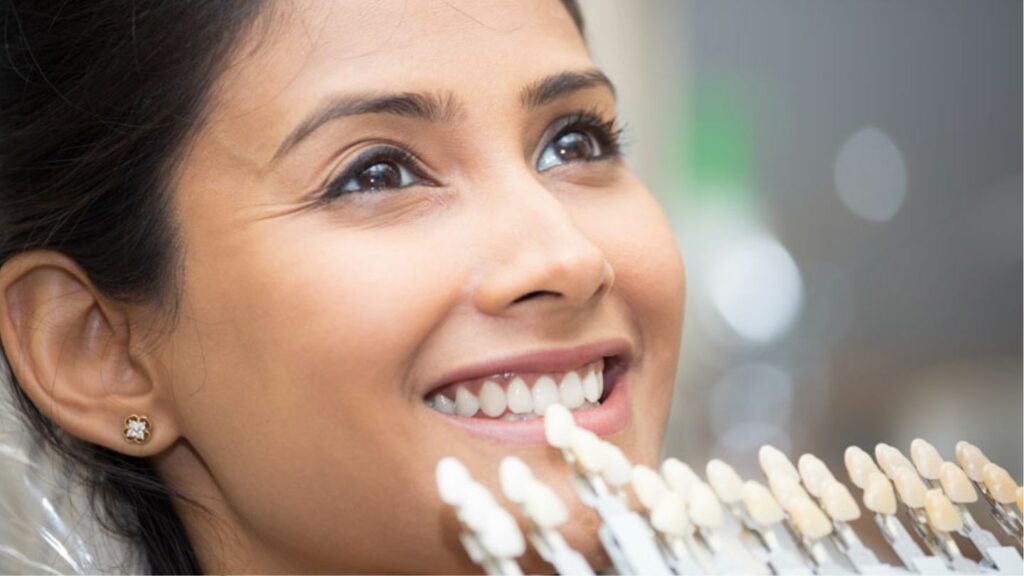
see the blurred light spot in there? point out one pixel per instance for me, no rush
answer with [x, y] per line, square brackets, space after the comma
[751, 393]
[870, 175]
[755, 287]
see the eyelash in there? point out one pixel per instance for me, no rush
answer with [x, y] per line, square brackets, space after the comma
[608, 137]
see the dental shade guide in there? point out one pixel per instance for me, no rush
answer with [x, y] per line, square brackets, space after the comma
[488, 532]
[629, 541]
[801, 525]
[545, 512]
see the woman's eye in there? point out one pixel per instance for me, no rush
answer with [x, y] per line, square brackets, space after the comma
[585, 139]
[376, 171]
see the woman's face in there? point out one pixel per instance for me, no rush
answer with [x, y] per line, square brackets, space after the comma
[390, 201]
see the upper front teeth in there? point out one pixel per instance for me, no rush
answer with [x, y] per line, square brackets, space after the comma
[497, 394]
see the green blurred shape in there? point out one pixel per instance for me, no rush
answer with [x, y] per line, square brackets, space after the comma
[713, 149]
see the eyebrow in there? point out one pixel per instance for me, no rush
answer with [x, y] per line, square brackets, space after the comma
[440, 107]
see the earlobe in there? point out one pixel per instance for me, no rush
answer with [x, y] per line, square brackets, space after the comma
[70, 349]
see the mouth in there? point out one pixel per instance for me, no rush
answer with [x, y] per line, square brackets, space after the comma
[505, 399]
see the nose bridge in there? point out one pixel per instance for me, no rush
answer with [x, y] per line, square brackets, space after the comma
[538, 252]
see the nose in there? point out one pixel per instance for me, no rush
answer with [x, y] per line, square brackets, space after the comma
[540, 260]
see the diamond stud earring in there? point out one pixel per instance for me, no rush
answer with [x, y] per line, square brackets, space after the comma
[137, 429]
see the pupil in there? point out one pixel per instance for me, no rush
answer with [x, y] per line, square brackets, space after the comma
[574, 146]
[380, 175]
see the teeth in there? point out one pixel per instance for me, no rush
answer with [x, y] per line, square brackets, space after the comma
[466, 403]
[492, 399]
[891, 460]
[941, 514]
[786, 490]
[773, 461]
[669, 515]
[878, 494]
[558, 426]
[859, 466]
[617, 470]
[838, 502]
[514, 476]
[761, 505]
[520, 400]
[679, 476]
[442, 403]
[972, 459]
[648, 486]
[814, 473]
[910, 487]
[704, 507]
[926, 458]
[725, 481]
[956, 484]
[570, 391]
[545, 393]
[512, 398]
[999, 483]
[543, 506]
[593, 385]
[809, 519]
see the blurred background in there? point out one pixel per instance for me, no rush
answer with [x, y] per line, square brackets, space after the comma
[845, 182]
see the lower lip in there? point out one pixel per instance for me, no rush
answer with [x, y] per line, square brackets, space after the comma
[608, 418]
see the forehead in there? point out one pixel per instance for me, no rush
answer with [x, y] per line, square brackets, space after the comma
[482, 51]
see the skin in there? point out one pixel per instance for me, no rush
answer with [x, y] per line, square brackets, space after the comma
[287, 398]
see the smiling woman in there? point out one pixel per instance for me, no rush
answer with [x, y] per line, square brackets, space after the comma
[269, 263]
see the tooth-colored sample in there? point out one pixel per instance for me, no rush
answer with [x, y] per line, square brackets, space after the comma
[492, 399]
[774, 461]
[910, 487]
[890, 460]
[589, 450]
[648, 486]
[592, 388]
[956, 484]
[520, 399]
[761, 505]
[451, 476]
[999, 483]
[679, 476]
[466, 403]
[704, 507]
[570, 391]
[558, 426]
[942, 516]
[878, 494]
[543, 506]
[813, 472]
[859, 466]
[926, 458]
[514, 476]
[838, 502]
[786, 489]
[971, 459]
[545, 393]
[669, 515]
[501, 536]
[725, 481]
[442, 403]
[617, 470]
[809, 519]
[477, 502]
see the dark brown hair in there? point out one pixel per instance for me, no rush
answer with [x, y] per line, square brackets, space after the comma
[98, 99]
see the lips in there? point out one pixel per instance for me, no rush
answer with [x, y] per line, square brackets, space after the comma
[503, 398]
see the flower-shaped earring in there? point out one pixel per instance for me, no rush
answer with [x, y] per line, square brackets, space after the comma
[137, 429]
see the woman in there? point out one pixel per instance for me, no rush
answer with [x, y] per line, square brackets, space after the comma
[265, 264]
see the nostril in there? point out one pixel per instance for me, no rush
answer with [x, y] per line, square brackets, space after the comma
[533, 294]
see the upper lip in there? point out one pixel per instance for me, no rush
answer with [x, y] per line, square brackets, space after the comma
[548, 360]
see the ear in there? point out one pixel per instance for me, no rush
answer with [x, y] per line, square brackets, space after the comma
[75, 355]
